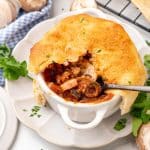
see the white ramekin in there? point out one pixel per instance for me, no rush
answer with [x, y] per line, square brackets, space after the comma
[79, 115]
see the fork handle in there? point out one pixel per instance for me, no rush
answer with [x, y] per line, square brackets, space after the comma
[128, 87]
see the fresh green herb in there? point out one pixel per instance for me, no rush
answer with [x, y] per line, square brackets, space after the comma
[53, 61]
[38, 116]
[12, 69]
[148, 112]
[48, 55]
[136, 123]
[29, 77]
[35, 111]
[4, 51]
[147, 61]
[42, 63]
[66, 61]
[121, 123]
[148, 43]
[129, 82]
[36, 108]
[148, 82]
[24, 109]
[81, 20]
[141, 108]
[31, 115]
[140, 111]
[98, 51]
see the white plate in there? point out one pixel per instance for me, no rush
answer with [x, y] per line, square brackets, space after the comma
[8, 121]
[50, 126]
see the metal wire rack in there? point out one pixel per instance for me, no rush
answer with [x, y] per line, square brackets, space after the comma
[126, 10]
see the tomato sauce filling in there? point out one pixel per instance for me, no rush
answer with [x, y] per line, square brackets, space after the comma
[76, 81]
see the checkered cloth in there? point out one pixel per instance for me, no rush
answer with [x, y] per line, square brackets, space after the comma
[16, 31]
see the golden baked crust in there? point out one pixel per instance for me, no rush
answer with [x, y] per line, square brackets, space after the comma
[114, 56]
[38, 94]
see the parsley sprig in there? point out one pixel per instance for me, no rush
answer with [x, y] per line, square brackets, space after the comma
[121, 123]
[141, 108]
[148, 43]
[12, 69]
[139, 111]
[147, 61]
[98, 51]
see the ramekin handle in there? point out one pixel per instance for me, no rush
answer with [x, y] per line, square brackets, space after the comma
[64, 112]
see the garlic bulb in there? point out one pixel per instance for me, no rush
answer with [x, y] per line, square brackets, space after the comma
[78, 4]
[8, 11]
[143, 139]
[15, 7]
[5, 13]
[32, 5]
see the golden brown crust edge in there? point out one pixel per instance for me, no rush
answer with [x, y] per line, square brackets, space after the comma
[117, 62]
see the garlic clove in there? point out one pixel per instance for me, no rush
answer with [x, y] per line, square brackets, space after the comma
[5, 13]
[79, 4]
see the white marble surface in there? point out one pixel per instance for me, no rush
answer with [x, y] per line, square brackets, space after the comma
[27, 139]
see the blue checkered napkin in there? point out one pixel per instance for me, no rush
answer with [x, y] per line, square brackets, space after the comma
[16, 31]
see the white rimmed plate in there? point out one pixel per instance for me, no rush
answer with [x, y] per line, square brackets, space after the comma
[8, 121]
[50, 126]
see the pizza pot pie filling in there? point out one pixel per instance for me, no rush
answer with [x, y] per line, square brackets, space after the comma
[76, 81]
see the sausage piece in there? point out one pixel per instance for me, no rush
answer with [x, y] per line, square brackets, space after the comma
[57, 89]
[83, 82]
[93, 90]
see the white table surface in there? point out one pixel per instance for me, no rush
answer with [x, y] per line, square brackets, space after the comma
[27, 139]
